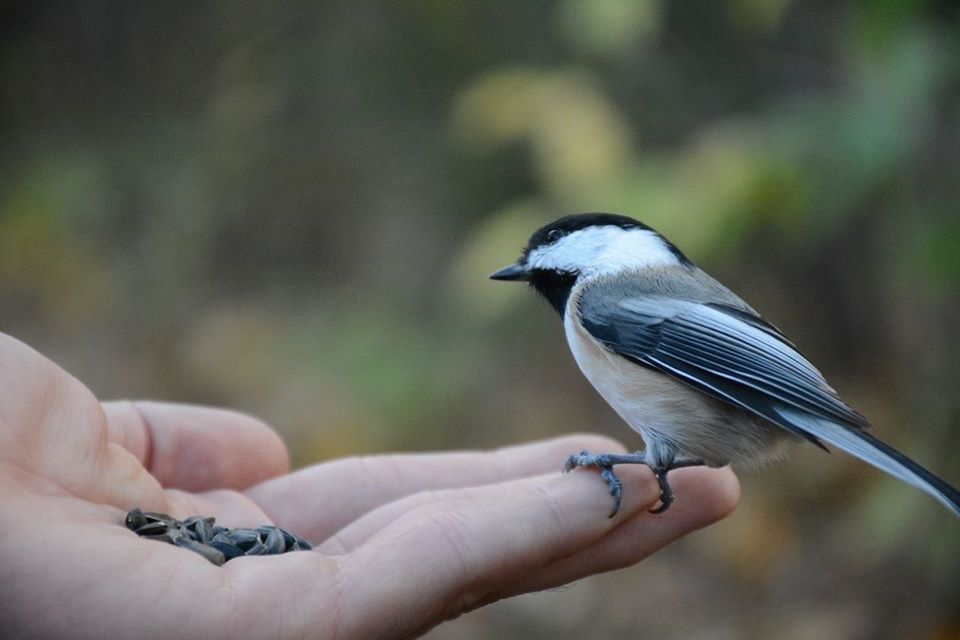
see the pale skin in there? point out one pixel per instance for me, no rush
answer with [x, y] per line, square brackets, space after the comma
[404, 542]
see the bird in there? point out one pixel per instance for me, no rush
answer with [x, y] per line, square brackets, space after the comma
[685, 362]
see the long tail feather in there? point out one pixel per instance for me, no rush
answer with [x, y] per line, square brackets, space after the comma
[863, 445]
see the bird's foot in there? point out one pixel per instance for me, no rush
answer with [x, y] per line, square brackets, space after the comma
[606, 461]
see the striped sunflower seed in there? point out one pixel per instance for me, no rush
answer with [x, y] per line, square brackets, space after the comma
[217, 544]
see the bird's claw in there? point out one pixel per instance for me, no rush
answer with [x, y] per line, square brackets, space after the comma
[587, 459]
[666, 492]
[574, 461]
[615, 486]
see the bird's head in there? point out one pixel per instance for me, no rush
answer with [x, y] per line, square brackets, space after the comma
[587, 245]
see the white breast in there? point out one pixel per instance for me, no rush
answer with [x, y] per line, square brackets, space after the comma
[647, 400]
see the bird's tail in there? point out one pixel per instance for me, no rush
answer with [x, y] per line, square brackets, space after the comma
[861, 444]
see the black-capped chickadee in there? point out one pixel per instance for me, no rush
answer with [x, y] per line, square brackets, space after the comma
[684, 361]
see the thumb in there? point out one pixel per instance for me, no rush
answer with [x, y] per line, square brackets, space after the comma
[53, 427]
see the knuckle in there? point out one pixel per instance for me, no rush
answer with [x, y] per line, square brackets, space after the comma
[455, 529]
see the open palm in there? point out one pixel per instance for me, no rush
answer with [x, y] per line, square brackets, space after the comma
[403, 542]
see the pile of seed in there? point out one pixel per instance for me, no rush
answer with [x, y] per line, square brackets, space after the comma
[215, 543]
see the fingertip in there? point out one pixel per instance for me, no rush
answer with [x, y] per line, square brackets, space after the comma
[248, 445]
[705, 495]
[274, 457]
[728, 493]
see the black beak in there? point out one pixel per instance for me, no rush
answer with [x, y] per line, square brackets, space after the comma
[512, 273]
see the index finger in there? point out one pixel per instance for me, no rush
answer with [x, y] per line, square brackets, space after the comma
[318, 501]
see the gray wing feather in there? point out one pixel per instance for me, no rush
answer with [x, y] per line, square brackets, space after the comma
[695, 341]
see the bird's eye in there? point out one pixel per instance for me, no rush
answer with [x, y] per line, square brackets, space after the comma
[554, 234]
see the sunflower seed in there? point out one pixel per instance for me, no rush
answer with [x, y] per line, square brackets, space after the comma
[135, 519]
[230, 551]
[257, 549]
[216, 543]
[153, 529]
[162, 537]
[225, 537]
[215, 556]
[275, 542]
[303, 544]
[244, 538]
[152, 516]
[290, 540]
[200, 528]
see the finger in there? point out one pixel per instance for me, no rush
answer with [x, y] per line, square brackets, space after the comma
[704, 496]
[370, 524]
[197, 448]
[320, 500]
[442, 559]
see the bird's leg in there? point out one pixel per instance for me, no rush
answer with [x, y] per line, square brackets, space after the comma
[606, 461]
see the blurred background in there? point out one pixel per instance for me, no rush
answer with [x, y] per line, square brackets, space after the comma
[292, 209]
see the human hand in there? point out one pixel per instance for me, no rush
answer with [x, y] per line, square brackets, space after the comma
[403, 542]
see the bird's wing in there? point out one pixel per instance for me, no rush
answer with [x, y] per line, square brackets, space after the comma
[749, 364]
[716, 350]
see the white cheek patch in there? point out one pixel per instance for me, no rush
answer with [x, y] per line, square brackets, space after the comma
[636, 248]
[599, 250]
